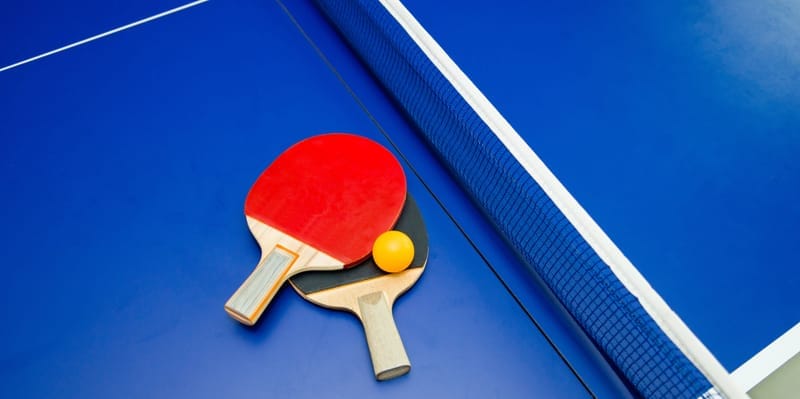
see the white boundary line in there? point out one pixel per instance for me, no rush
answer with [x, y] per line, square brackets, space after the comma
[766, 362]
[630, 277]
[102, 35]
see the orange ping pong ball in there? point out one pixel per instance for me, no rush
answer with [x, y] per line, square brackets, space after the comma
[393, 251]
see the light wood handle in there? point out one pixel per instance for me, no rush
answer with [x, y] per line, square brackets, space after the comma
[389, 359]
[249, 301]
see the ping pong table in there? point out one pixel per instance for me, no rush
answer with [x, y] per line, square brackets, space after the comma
[131, 133]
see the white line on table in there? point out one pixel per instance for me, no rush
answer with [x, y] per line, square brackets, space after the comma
[104, 34]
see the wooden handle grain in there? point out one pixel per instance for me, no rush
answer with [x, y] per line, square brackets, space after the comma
[249, 301]
[389, 359]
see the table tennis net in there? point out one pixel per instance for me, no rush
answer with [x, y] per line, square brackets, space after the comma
[519, 200]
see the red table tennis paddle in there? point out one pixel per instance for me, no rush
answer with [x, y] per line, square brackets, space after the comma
[319, 206]
[369, 293]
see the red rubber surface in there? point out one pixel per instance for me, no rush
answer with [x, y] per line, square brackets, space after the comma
[336, 192]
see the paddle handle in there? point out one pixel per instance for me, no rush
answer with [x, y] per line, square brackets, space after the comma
[389, 359]
[249, 301]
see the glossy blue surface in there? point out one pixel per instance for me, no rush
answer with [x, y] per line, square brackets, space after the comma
[676, 125]
[124, 165]
[33, 27]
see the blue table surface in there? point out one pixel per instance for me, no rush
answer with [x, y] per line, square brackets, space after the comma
[676, 125]
[125, 162]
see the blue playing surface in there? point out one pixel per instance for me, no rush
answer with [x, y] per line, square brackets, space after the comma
[124, 165]
[676, 125]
